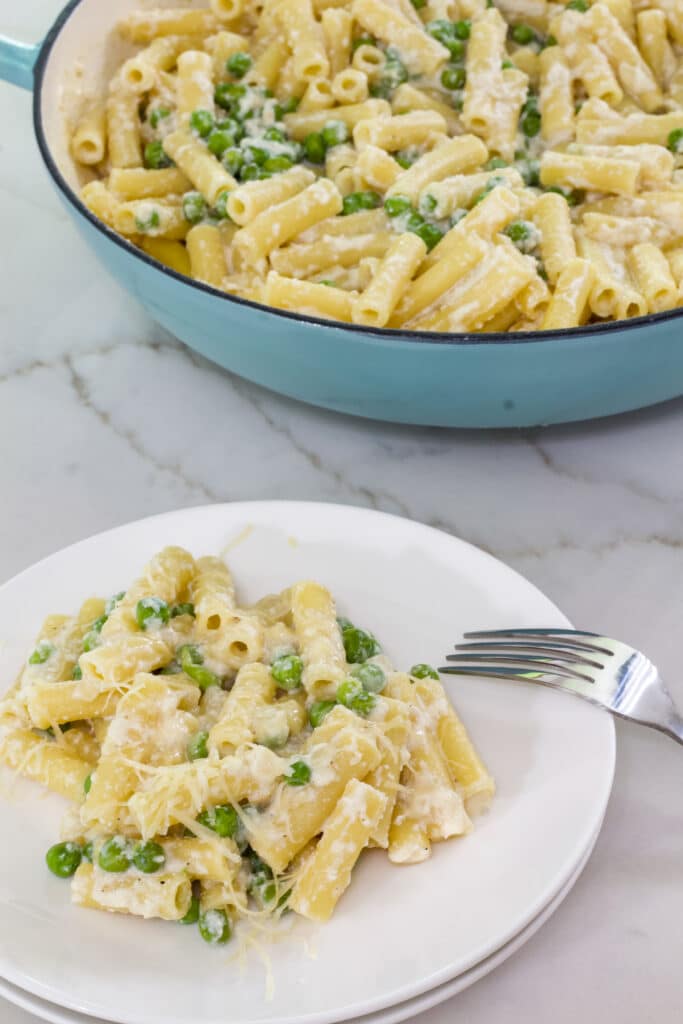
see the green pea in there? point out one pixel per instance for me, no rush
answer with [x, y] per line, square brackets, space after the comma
[315, 148]
[151, 613]
[531, 123]
[77, 672]
[42, 652]
[335, 133]
[522, 34]
[531, 172]
[231, 126]
[233, 160]
[214, 927]
[113, 601]
[285, 107]
[155, 157]
[157, 115]
[518, 232]
[441, 30]
[381, 89]
[403, 160]
[453, 78]
[114, 855]
[190, 657]
[430, 234]
[674, 140]
[418, 4]
[276, 164]
[318, 710]
[228, 94]
[348, 691]
[149, 857]
[394, 206]
[88, 852]
[541, 271]
[428, 204]
[298, 775]
[218, 142]
[220, 207]
[255, 154]
[572, 196]
[371, 677]
[92, 637]
[263, 890]
[359, 645]
[202, 122]
[223, 820]
[150, 224]
[252, 172]
[488, 187]
[192, 916]
[329, 284]
[186, 608]
[87, 784]
[363, 703]
[549, 41]
[287, 671]
[196, 747]
[394, 72]
[495, 163]
[451, 35]
[364, 40]
[356, 201]
[507, 64]
[456, 48]
[423, 671]
[192, 664]
[274, 135]
[238, 64]
[63, 859]
[578, 5]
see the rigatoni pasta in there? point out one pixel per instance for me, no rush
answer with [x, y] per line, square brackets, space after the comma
[202, 790]
[242, 141]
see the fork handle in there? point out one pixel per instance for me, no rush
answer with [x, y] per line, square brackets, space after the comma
[674, 728]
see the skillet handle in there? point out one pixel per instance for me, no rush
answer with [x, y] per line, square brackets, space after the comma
[16, 62]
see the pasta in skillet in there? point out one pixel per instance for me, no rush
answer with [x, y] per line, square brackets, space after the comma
[223, 761]
[442, 165]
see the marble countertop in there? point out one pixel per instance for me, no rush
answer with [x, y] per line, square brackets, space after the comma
[105, 418]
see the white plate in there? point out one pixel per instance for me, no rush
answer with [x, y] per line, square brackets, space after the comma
[393, 1015]
[398, 932]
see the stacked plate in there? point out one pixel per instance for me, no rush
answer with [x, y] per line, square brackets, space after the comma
[403, 938]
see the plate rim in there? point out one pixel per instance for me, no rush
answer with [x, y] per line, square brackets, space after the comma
[427, 982]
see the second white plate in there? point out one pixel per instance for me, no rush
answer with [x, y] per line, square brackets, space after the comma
[398, 932]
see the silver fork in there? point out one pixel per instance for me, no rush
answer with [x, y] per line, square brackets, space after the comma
[606, 672]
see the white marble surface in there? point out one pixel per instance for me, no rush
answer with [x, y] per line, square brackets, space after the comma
[104, 418]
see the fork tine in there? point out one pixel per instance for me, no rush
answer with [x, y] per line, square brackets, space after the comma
[582, 687]
[513, 646]
[529, 662]
[563, 637]
[532, 631]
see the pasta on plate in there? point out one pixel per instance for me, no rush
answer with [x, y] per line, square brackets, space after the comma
[434, 165]
[224, 761]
